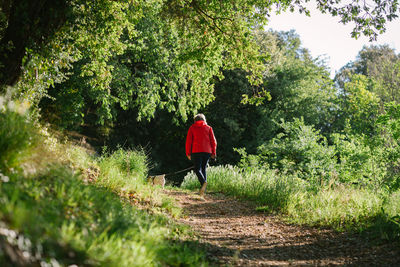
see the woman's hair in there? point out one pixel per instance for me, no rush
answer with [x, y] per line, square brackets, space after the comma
[200, 117]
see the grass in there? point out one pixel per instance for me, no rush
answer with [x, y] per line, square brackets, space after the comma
[62, 205]
[341, 207]
[16, 137]
[67, 217]
[264, 187]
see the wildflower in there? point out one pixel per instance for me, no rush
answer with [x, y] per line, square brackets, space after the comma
[23, 107]
[11, 106]
[4, 178]
[2, 100]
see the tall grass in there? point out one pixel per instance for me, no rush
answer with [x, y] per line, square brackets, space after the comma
[75, 208]
[124, 172]
[264, 187]
[123, 169]
[341, 207]
[67, 217]
[16, 138]
[338, 206]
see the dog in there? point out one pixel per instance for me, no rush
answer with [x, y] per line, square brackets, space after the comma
[157, 180]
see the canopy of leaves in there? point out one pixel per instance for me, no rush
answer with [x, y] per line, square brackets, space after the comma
[379, 63]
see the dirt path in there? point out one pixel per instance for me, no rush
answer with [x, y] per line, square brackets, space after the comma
[235, 234]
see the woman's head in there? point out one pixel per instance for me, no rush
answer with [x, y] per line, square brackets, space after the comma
[200, 117]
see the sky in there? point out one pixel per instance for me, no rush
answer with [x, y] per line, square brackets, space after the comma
[325, 36]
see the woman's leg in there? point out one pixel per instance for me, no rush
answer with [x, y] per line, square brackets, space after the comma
[204, 162]
[198, 162]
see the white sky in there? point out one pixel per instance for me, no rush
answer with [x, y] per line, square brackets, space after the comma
[325, 36]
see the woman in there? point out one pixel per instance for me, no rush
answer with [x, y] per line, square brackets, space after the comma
[200, 146]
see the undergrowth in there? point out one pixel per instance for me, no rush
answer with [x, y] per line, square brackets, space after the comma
[61, 204]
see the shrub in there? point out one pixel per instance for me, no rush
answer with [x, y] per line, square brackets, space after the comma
[302, 151]
[358, 162]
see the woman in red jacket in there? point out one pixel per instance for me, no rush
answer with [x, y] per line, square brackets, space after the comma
[200, 146]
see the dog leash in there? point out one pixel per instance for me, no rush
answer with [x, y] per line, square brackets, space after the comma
[179, 171]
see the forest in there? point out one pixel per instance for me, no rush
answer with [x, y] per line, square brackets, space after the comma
[97, 95]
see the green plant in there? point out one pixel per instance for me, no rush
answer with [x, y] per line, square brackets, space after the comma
[17, 136]
[301, 150]
[265, 186]
[61, 215]
[340, 207]
[54, 214]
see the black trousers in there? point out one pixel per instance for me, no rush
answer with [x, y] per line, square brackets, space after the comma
[200, 161]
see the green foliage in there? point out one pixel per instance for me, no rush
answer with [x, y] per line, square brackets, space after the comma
[67, 207]
[390, 120]
[300, 149]
[389, 128]
[145, 56]
[359, 161]
[299, 87]
[340, 208]
[379, 64]
[359, 105]
[17, 135]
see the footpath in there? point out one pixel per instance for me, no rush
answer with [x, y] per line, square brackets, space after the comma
[235, 234]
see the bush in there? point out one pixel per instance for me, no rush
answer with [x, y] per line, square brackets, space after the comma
[358, 162]
[302, 151]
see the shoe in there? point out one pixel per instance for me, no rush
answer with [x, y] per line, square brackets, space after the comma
[203, 189]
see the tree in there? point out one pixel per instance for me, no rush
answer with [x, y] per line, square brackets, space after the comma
[299, 87]
[379, 63]
[158, 66]
[26, 24]
[359, 105]
[369, 16]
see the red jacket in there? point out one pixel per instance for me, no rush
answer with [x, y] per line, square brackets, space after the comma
[200, 138]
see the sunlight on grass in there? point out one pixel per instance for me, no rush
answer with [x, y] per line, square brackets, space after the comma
[341, 207]
[74, 207]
